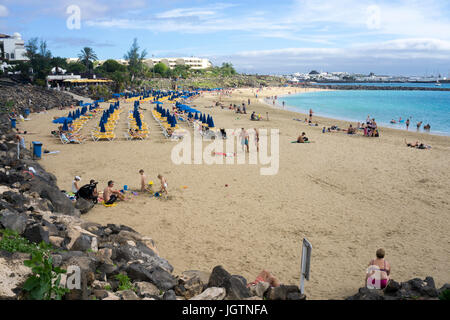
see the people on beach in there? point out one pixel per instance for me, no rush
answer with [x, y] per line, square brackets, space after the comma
[379, 270]
[244, 139]
[143, 180]
[265, 276]
[419, 124]
[350, 130]
[110, 195]
[407, 124]
[163, 184]
[253, 116]
[75, 186]
[310, 115]
[302, 138]
[427, 127]
[88, 192]
[417, 144]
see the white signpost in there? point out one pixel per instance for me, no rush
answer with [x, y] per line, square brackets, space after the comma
[306, 262]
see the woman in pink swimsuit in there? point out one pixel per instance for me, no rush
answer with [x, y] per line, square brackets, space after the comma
[383, 265]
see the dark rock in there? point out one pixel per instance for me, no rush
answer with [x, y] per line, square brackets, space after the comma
[83, 243]
[84, 205]
[147, 289]
[50, 227]
[127, 295]
[234, 285]
[169, 295]
[295, 296]
[36, 233]
[59, 200]
[190, 288]
[284, 292]
[236, 289]
[13, 220]
[219, 277]
[108, 269]
[367, 294]
[392, 288]
[17, 200]
[131, 253]
[155, 274]
[100, 294]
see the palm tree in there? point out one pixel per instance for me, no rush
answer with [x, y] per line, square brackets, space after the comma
[87, 56]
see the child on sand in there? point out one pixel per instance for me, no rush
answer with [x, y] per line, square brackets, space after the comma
[143, 179]
[163, 184]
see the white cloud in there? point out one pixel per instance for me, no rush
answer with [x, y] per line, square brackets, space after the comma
[400, 53]
[178, 13]
[4, 12]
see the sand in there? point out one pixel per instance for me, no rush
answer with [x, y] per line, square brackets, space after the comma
[348, 195]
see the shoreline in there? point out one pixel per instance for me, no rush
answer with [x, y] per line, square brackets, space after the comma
[291, 108]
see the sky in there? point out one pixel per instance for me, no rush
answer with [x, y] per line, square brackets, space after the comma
[389, 37]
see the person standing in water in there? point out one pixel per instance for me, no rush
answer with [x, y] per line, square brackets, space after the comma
[407, 124]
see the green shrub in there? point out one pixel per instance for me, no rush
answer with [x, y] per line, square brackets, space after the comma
[124, 283]
[44, 282]
[445, 295]
[12, 242]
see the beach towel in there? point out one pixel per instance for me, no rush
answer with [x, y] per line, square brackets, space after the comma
[109, 205]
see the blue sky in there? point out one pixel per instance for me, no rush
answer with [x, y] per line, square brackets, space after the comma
[407, 37]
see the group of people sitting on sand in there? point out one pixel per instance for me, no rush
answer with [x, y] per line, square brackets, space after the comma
[255, 117]
[370, 128]
[111, 195]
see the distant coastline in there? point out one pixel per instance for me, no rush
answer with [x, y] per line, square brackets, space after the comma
[343, 86]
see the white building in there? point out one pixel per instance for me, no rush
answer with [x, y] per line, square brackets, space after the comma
[192, 62]
[13, 47]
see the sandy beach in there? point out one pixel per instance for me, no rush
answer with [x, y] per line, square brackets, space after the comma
[348, 195]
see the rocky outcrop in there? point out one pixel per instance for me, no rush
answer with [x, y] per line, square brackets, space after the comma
[34, 98]
[415, 289]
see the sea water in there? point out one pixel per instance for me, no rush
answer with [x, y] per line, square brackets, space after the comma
[430, 107]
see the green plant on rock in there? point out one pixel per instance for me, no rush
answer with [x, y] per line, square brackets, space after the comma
[445, 295]
[12, 242]
[124, 283]
[44, 283]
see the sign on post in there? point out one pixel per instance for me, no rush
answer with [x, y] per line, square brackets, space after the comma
[306, 263]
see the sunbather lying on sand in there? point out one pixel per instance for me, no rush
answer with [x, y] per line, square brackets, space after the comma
[417, 145]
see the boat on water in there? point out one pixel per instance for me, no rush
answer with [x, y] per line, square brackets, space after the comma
[438, 84]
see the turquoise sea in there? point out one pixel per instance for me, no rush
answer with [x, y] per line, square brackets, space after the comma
[431, 107]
